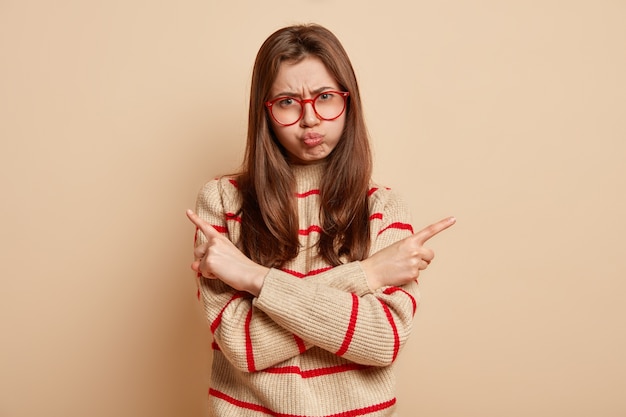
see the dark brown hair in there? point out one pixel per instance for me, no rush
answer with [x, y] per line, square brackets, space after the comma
[269, 214]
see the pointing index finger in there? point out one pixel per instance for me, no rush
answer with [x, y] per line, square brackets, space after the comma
[204, 227]
[428, 232]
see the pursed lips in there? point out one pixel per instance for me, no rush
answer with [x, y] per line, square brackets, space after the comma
[312, 139]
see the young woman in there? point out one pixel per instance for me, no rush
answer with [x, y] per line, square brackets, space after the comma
[307, 269]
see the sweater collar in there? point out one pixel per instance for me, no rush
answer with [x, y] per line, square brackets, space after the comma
[309, 176]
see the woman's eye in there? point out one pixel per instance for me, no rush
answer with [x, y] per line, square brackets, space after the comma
[286, 102]
[325, 96]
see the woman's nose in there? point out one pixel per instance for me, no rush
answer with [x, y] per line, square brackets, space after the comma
[309, 117]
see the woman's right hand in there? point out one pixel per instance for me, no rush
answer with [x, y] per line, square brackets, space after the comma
[402, 262]
[219, 258]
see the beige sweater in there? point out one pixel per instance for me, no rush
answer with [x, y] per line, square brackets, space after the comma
[316, 341]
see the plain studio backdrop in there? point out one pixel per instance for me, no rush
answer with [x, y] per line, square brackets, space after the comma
[509, 115]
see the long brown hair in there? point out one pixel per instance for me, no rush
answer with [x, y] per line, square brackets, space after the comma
[269, 226]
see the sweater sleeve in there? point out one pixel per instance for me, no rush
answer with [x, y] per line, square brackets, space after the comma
[368, 328]
[246, 335]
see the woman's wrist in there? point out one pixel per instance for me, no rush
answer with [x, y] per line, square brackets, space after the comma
[257, 280]
[370, 274]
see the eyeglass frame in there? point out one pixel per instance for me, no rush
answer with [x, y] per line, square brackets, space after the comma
[343, 94]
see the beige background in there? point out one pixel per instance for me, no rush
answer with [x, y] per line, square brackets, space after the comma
[509, 115]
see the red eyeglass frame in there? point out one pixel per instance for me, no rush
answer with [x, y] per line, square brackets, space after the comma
[302, 102]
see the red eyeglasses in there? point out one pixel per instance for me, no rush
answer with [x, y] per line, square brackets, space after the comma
[327, 105]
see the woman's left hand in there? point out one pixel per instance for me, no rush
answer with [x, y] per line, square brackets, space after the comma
[401, 262]
[219, 258]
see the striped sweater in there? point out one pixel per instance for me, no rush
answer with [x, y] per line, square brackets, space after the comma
[316, 341]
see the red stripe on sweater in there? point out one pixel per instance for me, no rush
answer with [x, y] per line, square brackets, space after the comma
[313, 373]
[255, 407]
[372, 191]
[308, 274]
[218, 319]
[249, 351]
[396, 338]
[391, 290]
[318, 271]
[233, 216]
[398, 226]
[195, 242]
[308, 193]
[241, 404]
[311, 229]
[234, 183]
[300, 343]
[350, 332]
[294, 273]
[378, 216]
[221, 229]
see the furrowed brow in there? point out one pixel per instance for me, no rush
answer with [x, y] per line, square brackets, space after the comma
[298, 95]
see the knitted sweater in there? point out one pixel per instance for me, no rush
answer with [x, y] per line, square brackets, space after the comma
[316, 341]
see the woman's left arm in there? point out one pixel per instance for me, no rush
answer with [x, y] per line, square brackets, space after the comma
[369, 329]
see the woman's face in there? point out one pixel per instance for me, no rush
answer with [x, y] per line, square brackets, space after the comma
[311, 139]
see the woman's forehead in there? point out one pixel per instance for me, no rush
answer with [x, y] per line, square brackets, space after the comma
[302, 77]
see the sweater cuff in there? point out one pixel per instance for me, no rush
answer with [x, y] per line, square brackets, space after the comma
[279, 288]
[279, 285]
[348, 277]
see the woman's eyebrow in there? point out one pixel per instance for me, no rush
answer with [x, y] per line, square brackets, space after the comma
[293, 94]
